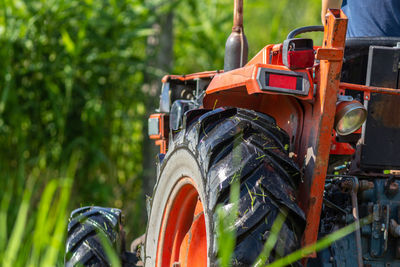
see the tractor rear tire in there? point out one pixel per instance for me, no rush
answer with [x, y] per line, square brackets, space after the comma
[84, 246]
[213, 149]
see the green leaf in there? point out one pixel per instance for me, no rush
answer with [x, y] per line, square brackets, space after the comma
[67, 41]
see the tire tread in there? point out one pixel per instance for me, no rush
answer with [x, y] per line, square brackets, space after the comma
[263, 167]
[83, 246]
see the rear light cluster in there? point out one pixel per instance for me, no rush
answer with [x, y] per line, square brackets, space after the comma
[283, 81]
[158, 124]
[298, 53]
[159, 129]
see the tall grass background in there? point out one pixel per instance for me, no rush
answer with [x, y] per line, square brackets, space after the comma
[78, 79]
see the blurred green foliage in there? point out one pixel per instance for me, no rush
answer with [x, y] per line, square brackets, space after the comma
[76, 77]
[71, 78]
[201, 28]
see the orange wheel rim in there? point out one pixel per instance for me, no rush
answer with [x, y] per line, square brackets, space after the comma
[183, 238]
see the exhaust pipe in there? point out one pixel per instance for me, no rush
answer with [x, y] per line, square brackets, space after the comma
[236, 47]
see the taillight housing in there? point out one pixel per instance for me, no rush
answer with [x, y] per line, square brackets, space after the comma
[284, 81]
[298, 53]
[158, 127]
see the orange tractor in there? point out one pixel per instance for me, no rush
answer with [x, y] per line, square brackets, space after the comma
[310, 130]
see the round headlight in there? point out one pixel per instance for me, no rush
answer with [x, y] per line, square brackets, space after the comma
[349, 117]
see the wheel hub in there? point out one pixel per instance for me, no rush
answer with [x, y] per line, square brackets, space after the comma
[183, 239]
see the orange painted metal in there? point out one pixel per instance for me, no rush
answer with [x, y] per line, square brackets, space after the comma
[332, 54]
[161, 139]
[163, 144]
[193, 76]
[193, 250]
[261, 57]
[340, 148]
[270, 54]
[369, 89]
[317, 132]
[247, 77]
[183, 239]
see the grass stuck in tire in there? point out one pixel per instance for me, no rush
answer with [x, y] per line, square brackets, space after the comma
[227, 237]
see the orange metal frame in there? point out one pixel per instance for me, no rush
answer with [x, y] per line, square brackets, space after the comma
[318, 127]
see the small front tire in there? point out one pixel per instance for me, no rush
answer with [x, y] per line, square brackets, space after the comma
[84, 246]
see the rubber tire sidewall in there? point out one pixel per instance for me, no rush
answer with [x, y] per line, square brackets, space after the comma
[180, 163]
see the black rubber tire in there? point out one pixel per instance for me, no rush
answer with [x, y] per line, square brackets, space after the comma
[83, 246]
[205, 149]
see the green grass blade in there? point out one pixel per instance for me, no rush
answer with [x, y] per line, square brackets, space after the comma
[110, 252]
[42, 232]
[17, 234]
[5, 203]
[56, 242]
[320, 245]
[273, 237]
[226, 230]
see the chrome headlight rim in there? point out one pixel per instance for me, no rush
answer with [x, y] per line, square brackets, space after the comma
[344, 109]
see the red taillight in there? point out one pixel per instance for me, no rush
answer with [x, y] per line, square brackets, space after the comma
[298, 53]
[283, 81]
[300, 59]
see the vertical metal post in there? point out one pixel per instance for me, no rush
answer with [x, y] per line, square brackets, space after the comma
[238, 14]
[319, 123]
